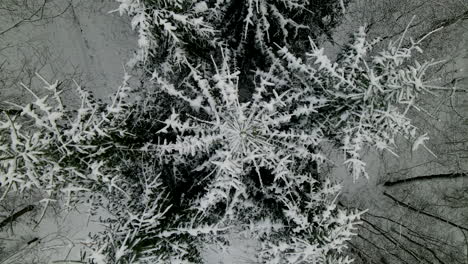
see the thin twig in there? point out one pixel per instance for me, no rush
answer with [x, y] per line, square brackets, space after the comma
[412, 208]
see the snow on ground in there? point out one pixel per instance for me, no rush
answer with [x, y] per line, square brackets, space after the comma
[84, 43]
[60, 236]
[97, 43]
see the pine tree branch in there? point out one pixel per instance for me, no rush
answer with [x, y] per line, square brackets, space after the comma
[425, 178]
[412, 208]
[16, 215]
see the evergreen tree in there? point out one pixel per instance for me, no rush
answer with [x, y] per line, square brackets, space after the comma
[192, 160]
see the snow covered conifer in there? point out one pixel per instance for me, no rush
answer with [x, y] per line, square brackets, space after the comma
[194, 159]
[171, 32]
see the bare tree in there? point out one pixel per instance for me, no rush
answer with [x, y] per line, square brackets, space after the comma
[418, 202]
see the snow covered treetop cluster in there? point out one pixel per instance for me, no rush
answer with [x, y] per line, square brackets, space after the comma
[237, 104]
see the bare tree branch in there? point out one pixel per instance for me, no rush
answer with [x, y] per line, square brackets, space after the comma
[412, 208]
[394, 241]
[16, 215]
[425, 178]
[433, 253]
[39, 12]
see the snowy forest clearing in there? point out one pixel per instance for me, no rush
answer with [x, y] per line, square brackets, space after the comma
[249, 141]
